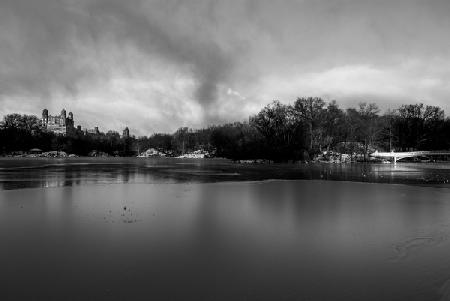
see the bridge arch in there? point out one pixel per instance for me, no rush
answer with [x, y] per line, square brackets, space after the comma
[401, 155]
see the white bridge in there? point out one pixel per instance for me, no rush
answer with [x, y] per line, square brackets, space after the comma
[400, 155]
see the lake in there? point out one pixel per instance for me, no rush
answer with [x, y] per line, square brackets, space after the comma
[180, 229]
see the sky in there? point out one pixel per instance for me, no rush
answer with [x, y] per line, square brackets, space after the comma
[158, 65]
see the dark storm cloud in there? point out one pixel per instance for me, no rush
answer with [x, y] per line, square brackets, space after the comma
[45, 29]
[160, 31]
[197, 62]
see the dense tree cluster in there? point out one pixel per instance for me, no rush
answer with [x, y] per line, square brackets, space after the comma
[279, 132]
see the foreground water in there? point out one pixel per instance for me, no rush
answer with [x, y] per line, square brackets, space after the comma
[192, 230]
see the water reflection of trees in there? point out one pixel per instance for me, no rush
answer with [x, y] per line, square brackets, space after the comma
[84, 172]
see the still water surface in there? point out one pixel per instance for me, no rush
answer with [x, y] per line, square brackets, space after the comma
[140, 229]
[34, 173]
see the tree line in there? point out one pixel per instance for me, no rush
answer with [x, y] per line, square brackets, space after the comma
[279, 132]
[23, 132]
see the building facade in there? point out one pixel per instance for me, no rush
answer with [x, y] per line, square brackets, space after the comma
[126, 133]
[58, 124]
[93, 131]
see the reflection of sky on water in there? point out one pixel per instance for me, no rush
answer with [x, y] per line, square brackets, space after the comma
[27, 173]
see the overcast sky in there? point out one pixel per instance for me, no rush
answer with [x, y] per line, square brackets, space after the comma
[159, 65]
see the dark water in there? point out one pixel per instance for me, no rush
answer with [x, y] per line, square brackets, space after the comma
[34, 173]
[160, 230]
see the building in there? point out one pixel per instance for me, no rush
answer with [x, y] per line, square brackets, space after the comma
[93, 131]
[113, 134]
[59, 124]
[126, 133]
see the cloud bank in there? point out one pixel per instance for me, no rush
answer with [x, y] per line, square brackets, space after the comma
[158, 65]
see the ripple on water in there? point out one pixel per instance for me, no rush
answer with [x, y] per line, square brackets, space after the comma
[444, 291]
[405, 248]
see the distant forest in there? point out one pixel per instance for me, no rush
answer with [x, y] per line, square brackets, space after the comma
[279, 132]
